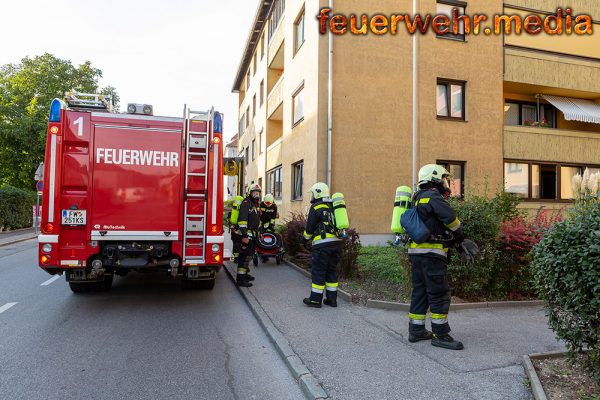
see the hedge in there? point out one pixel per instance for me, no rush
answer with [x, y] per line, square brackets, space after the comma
[16, 208]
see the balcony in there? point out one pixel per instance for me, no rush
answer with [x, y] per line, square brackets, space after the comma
[552, 71]
[274, 156]
[276, 44]
[545, 144]
[275, 102]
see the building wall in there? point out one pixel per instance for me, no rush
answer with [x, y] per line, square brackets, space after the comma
[372, 116]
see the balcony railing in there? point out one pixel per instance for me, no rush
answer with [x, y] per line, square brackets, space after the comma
[550, 70]
[275, 98]
[546, 144]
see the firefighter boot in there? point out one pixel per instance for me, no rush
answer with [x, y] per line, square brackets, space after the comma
[242, 280]
[250, 278]
[312, 303]
[331, 298]
[447, 342]
[417, 337]
[330, 301]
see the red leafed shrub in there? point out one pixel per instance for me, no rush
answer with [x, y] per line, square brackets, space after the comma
[517, 239]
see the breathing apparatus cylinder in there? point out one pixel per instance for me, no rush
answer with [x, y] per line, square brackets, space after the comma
[401, 204]
[339, 211]
[235, 210]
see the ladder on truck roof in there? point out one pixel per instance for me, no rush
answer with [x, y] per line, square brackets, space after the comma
[197, 135]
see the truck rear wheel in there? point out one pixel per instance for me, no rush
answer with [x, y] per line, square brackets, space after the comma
[78, 287]
[207, 285]
[103, 286]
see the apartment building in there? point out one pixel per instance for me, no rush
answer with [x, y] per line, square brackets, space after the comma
[514, 112]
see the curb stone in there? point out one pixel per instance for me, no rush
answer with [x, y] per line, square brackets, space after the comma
[17, 239]
[534, 381]
[310, 386]
[342, 294]
[389, 305]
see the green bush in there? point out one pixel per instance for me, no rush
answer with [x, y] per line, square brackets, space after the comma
[384, 263]
[16, 208]
[348, 266]
[481, 220]
[566, 267]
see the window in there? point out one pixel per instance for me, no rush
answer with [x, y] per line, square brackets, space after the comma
[260, 134]
[450, 100]
[298, 106]
[541, 180]
[248, 114]
[260, 182]
[445, 7]
[523, 113]
[262, 92]
[254, 106]
[253, 149]
[457, 175]
[274, 182]
[248, 79]
[246, 161]
[262, 46]
[516, 179]
[254, 64]
[297, 180]
[242, 124]
[299, 32]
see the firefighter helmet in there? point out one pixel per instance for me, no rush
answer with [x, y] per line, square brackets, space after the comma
[319, 190]
[254, 188]
[269, 199]
[432, 173]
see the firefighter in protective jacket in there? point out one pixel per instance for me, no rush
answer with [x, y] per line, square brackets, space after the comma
[326, 247]
[248, 223]
[429, 260]
[268, 213]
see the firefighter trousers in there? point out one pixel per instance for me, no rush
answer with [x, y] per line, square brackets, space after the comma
[245, 257]
[324, 262]
[430, 291]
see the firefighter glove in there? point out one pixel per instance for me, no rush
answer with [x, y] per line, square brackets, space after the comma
[469, 250]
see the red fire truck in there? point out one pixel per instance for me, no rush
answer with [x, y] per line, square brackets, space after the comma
[130, 192]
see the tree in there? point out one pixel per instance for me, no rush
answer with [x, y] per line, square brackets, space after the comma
[26, 91]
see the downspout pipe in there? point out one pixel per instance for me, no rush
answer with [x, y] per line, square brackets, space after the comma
[329, 101]
[415, 99]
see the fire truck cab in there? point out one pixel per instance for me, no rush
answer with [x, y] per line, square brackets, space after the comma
[128, 192]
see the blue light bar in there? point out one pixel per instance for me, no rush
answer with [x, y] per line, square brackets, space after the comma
[55, 108]
[218, 123]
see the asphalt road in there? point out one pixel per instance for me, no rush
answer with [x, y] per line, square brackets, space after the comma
[145, 339]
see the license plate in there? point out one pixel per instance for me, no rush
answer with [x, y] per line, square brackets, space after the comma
[73, 217]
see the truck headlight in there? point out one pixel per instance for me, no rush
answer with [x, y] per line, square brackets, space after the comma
[215, 248]
[47, 248]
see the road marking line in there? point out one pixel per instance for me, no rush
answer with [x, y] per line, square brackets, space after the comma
[49, 281]
[6, 307]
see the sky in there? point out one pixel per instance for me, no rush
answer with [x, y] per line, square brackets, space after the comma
[161, 52]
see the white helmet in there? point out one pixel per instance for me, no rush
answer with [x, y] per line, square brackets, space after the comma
[254, 188]
[432, 173]
[319, 190]
[269, 199]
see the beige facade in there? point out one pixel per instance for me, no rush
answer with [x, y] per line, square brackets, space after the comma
[371, 139]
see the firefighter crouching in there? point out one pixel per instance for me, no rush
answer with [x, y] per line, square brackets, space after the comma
[248, 223]
[326, 247]
[429, 260]
[268, 213]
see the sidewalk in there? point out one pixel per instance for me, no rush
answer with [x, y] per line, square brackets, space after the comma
[359, 353]
[19, 235]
